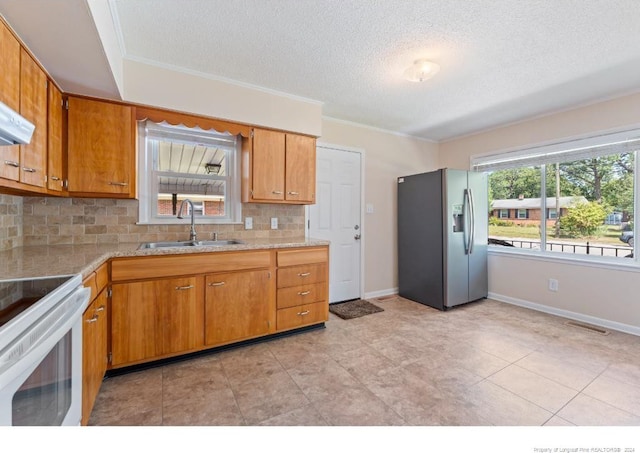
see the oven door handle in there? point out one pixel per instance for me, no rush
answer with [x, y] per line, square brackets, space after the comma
[42, 335]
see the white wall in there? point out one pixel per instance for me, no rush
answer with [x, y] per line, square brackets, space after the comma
[195, 93]
[387, 156]
[595, 294]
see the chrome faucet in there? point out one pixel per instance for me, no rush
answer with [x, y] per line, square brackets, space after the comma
[192, 232]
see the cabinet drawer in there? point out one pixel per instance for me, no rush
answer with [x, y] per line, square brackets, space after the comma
[290, 318]
[304, 294]
[102, 277]
[303, 256]
[302, 275]
[172, 265]
[90, 282]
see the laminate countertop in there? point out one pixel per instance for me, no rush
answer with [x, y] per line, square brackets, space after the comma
[45, 260]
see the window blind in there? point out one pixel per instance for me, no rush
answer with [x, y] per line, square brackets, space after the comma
[568, 151]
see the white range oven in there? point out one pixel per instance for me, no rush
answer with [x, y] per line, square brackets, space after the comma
[41, 350]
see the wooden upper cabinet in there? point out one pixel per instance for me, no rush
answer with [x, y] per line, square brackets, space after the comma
[55, 176]
[300, 171]
[10, 63]
[33, 106]
[100, 148]
[280, 168]
[268, 165]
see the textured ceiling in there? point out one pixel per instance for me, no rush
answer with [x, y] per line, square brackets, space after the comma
[501, 60]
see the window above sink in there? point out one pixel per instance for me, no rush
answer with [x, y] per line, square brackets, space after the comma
[178, 162]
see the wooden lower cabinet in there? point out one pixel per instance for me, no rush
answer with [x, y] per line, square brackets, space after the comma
[302, 295]
[232, 296]
[94, 352]
[238, 306]
[155, 318]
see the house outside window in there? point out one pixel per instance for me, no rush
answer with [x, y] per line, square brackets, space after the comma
[178, 163]
[587, 186]
[504, 213]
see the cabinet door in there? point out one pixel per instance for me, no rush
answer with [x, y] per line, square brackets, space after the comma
[181, 314]
[89, 336]
[300, 172]
[94, 352]
[237, 306]
[268, 165]
[55, 177]
[10, 95]
[101, 149]
[134, 322]
[33, 106]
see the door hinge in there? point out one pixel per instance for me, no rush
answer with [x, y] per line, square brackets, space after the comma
[251, 133]
[109, 291]
[269, 275]
[65, 104]
[109, 358]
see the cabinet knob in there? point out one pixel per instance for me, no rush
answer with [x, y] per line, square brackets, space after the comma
[303, 293]
[100, 308]
[183, 288]
[276, 192]
[29, 170]
[302, 313]
[216, 284]
[11, 163]
[121, 184]
[293, 193]
[304, 274]
[55, 178]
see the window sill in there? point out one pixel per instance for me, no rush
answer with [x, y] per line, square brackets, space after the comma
[630, 265]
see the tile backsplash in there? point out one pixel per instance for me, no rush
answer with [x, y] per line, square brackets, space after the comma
[53, 221]
[11, 221]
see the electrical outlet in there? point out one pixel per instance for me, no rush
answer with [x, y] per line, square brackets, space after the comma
[248, 223]
[553, 284]
[274, 223]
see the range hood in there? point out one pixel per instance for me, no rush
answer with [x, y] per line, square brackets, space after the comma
[14, 129]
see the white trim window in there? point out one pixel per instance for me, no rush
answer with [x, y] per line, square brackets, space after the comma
[587, 178]
[178, 163]
[503, 214]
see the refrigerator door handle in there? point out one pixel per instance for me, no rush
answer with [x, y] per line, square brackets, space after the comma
[472, 230]
[465, 208]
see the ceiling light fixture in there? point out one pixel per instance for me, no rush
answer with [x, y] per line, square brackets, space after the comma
[421, 70]
[213, 168]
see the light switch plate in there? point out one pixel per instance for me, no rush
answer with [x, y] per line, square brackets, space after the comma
[274, 223]
[248, 223]
[369, 208]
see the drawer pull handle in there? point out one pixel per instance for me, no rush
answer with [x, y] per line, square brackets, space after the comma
[11, 163]
[276, 192]
[100, 308]
[304, 274]
[303, 293]
[293, 193]
[182, 288]
[306, 312]
[216, 284]
[93, 319]
[29, 170]
[121, 184]
[55, 178]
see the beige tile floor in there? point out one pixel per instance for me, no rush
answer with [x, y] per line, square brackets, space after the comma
[482, 364]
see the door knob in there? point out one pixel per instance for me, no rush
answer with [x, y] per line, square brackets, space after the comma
[357, 237]
[357, 227]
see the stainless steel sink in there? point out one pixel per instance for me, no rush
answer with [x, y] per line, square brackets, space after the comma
[157, 245]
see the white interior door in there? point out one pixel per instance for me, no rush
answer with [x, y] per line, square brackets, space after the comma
[336, 217]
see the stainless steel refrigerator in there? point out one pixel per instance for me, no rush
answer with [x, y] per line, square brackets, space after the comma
[442, 237]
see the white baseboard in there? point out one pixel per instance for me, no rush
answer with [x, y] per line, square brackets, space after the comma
[613, 325]
[382, 292]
